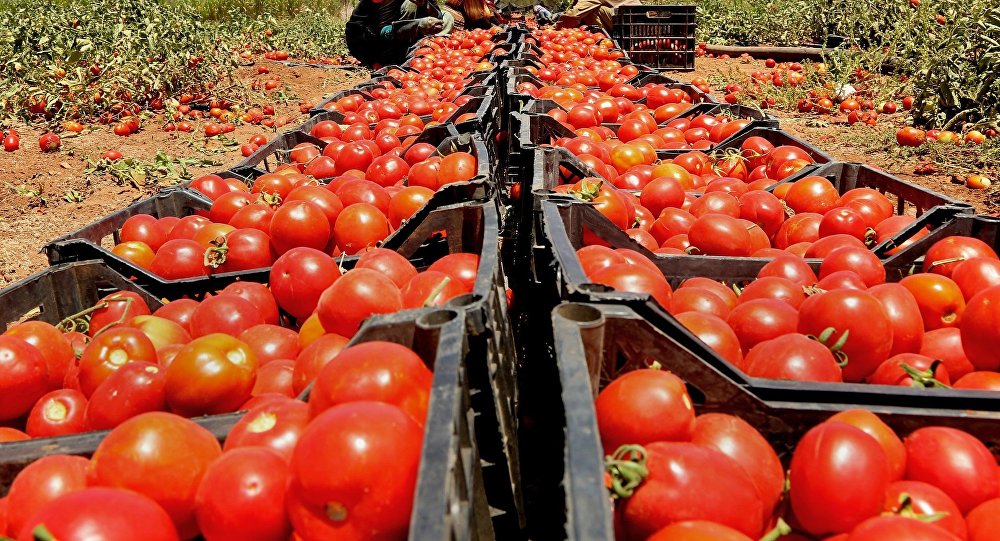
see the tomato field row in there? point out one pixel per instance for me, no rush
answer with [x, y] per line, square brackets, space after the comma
[519, 287]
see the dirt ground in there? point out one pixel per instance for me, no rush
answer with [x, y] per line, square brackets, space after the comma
[861, 143]
[33, 186]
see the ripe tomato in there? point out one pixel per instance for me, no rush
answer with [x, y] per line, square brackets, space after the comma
[430, 288]
[635, 279]
[110, 351]
[138, 387]
[116, 308]
[857, 314]
[687, 481]
[983, 520]
[979, 329]
[913, 499]
[736, 439]
[242, 496]
[698, 530]
[460, 266]
[313, 357]
[946, 344]
[757, 320]
[179, 258]
[162, 332]
[354, 297]
[51, 343]
[715, 333]
[870, 424]
[275, 424]
[946, 254]
[360, 226]
[839, 476]
[225, 313]
[894, 371]
[803, 227]
[39, 483]
[954, 462]
[976, 274]
[57, 413]
[897, 527]
[644, 406]
[939, 298]
[299, 224]
[406, 202]
[342, 487]
[773, 288]
[270, 342]
[275, 377]
[719, 234]
[143, 228]
[859, 260]
[210, 375]
[298, 278]
[812, 194]
[793, 357]
[697, 299]
[143, 454]
[904, 315]
[102, 513]
[388, 262]
[179, 311]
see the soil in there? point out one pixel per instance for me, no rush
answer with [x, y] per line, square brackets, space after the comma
[34, 185]
[861, 143]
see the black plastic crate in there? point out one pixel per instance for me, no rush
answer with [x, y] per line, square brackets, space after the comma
[61, 291]
[660, 36]
[275, 153]
[451, 501]
[968, 224]
[594, 344]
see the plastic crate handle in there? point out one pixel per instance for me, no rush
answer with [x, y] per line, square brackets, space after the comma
[659, 14]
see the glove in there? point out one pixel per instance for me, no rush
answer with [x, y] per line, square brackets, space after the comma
[430, 25]
[386, 32]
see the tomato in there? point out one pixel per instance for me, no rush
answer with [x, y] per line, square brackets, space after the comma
[946, 344]
[897, 370]
[858, 260]
[939, 298]
[763, 209]
[51, 343]
[111, 350]
[223, 209]
[792, 357]
[341, 485]
[299, 224]
[161, 332]
[735, 438]
[364, 191]
[388, 262]
[354, 297]
[904, 315]
[979, 332]
[136, 253]
[687, 481]
[212, 374]
[976, 274]
[790, 267]
[983, 520]
[841, 279]
[102, 513]
[857, 314]
[803, 227]
[812, 194]
[644, 406]
[913, 499]
[460, 266]
[839, 476]
[275, 424]
[910, 136]
[898, 527]
[696, 299]
[116, 308]
[57, 413]
[179, 258]
[946, 254]
[406, 203]
[144, 453]
[773, 288]
[954, 462]
[360, 226]
[715, 333]
[635, 279]
[242, 496]
[430, 288]
[187, 228]
[178, 311]
[275, 377]
[39, 483]
[8, 434]
[870, 424]
[138, 387]
[698, 530]
[313, 357]
[270, 342]
[298, 278]
[143, 228]
[225, 313]
[758, 320]
[722, 235]
[256, 216]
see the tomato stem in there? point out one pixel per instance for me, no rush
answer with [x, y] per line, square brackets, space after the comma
[870, 237]
[627, 467]
[924, 378]
[780, 529]
[80, 322]
[215, 255]
[429, 301]
[945, 262]
[905, 509]
[41, 533]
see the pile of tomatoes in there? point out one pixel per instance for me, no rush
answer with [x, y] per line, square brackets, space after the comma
[676, 475]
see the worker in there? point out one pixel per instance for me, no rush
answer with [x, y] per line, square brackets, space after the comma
[542, 15]
[469, 14]
[380, 32]
[592, 13]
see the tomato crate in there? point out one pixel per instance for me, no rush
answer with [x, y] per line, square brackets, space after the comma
[907, 197]
[275, 153]
[487, 120]
[64, 290]
[363, 90]
[453, 499]
[593, 344]
[967, 224]
[660, 36]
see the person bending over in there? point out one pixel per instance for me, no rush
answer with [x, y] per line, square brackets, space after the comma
[380, 31]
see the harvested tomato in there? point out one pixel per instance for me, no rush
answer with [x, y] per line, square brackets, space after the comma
[952, 461]
[41, 482]
[212, 374]
[644, 406]
[276, 424]
[102, 513]
[110, 351]
[242, 496]
[138, 387]
[354, 297]
[58, 413]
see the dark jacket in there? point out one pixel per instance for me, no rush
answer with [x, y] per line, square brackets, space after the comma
[363, 31]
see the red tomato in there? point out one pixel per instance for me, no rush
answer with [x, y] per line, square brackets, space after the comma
[276, 424]
[911, 370]
[143, 228]
[58, 413]
[143, 454]
[299, 224]
[698, 530]
[51, 343]
[39, 483]
[23, 377]
[313, 357]
[644, 406]
[342, 487]
[715, 333]
[102, 513]
[179, 311]
[913, 499]
[904, 315]
[635, 279]
[954, 462]
[939, 298]
[870, 424]
[758, 320]
[299, 277]
[839, 476]
[790, 267]
[858, 260]
[983, 521]
[210, 375]
[774, 288]
[179, 258]
[259, 295]
[976, 274]
[697, 299]
[857, 314]
[687, 481]
[461, 266]
[360, 226]
[110, 351]
[116, 308]
[406, 203]
[793, 357]
[225, 313]
[894, 527]
[137, 387]
[242, 496]
[430, 288]
[354, 297]
[946, 254]
[946, 345]
[271, 342]
[736, 439]
[275, 377]
[162, 332]
[388, 262]
[979, 328]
